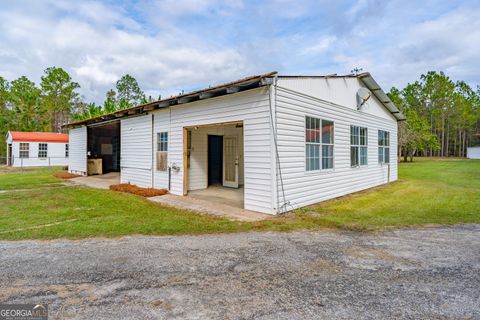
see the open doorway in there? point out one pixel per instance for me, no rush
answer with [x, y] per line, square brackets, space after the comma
[103, 148]
[215, 160]
[9, 155]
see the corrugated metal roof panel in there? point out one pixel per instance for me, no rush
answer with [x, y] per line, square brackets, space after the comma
[38, 136]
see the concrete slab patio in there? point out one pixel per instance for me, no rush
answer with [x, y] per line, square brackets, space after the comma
[209, 206]
[216, 201]
[103, 181]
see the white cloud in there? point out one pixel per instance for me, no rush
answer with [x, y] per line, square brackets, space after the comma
[172, 45]
[97, 54]
[320, 46]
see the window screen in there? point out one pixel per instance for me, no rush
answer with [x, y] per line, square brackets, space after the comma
[318, 144]
[383, 146]
[162, 141]
[42, 150]
[358, 146]
[24, 150]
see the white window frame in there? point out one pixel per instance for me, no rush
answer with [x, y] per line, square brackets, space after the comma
[162, 141]
[67, 150]
[318, 146]
[357, 143]
[26, 148]
[42, 154]
[383, 146]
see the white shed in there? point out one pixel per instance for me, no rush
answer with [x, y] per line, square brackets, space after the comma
[37, 149]
[473, 153]
[280, 142]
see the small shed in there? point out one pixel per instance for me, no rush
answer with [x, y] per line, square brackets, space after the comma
[473, 153]
[37, 149]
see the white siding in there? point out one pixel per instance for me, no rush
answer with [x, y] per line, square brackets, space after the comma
[473, 153]
[77, 160]
[136, 150]
[304, 188]
[252, 108]
[341, 91]
[55, 155]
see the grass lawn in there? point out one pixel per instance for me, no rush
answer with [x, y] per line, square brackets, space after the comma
[428, 192]
[84, 212]
[27, 178]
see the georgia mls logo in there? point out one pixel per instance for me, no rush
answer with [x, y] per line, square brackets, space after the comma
[23, 312]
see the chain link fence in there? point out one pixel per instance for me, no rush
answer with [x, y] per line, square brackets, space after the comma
[18, 162]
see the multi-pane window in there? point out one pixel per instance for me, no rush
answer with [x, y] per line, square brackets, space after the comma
[66, 150]
[162, 141]
[358, 146]
[42, 150]
[24, 150]
[318, 144]
[383, 146]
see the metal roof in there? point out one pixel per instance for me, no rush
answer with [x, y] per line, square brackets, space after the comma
[367, 79]
[38, 136]
[210, 92]
[233, 87]
[373, 86]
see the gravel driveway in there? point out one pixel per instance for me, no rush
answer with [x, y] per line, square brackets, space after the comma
[413, 274]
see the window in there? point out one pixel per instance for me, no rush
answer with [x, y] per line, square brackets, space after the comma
[162, 151]
[162, 141]
[42, 150]
[24, 150]
[66, 150]
[358, 146]
[318, 144]
[383, 146]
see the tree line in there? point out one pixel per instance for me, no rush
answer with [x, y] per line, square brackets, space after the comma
[24, 106]
[443, 117]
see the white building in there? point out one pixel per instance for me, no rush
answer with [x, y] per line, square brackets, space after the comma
[473, 153]
[284, 141]
[37, 149]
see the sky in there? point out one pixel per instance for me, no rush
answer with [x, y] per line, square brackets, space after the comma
[175, 45]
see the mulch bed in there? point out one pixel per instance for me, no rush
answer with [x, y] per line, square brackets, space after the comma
[144, 192]
[66, 175]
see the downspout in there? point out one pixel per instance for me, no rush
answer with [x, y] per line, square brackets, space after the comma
[168, 159]
[278, 170]
[153, 150]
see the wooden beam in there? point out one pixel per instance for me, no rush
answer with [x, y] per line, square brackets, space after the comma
[218, 124]
[149, 107]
